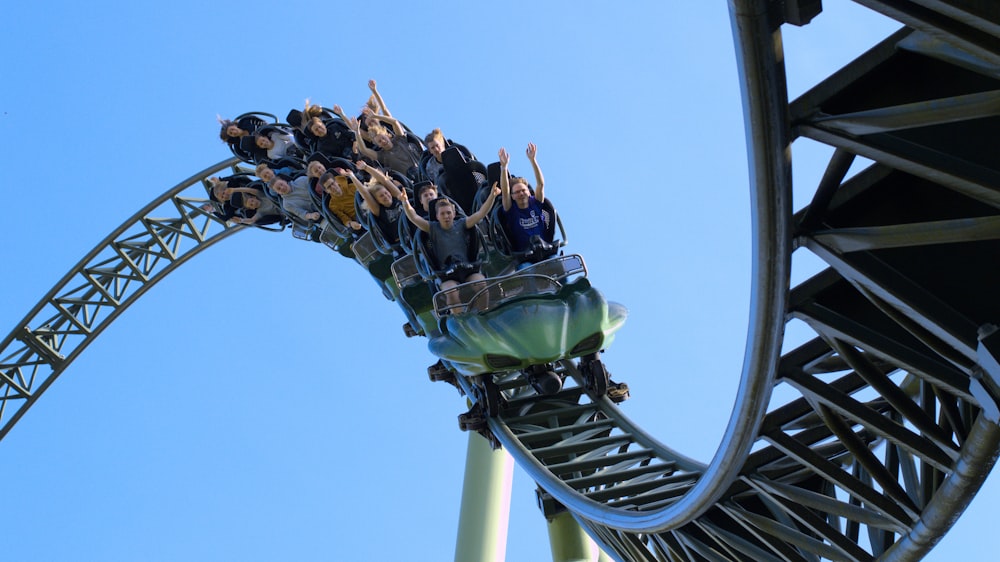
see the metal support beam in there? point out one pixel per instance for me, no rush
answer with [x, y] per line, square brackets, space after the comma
[568, 541]
[985, 384]
[482, 523]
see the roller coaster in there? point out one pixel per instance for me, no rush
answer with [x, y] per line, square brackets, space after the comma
[887, 424]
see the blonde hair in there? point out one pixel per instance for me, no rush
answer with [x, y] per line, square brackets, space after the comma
[311, 111]
[436, 133]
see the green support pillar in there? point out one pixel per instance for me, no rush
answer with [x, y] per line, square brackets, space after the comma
[570, 543]
[482, 524]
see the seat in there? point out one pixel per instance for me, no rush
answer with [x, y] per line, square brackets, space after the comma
[260, 155]
[425, 158]
[542, 248]
[247, 150]
[368, 220]
[338, 141]
[274, 223]
[429, 267]
[253, 120]
[462, 183]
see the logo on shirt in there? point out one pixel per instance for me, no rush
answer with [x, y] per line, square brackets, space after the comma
[529, 222]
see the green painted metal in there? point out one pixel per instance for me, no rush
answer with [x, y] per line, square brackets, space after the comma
[889, 424]
[531, 331]
[568, 540]
[482, 524]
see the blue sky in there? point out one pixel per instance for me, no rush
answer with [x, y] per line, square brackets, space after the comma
[302, 426]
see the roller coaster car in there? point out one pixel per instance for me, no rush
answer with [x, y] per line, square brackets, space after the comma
[541, 314]
[410, 292]
[416, 297]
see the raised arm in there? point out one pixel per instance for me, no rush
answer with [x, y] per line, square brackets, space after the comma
[370, 202]
[373, 206]
[504, 179]
[479, 215]
[380, 177]
[359, 141]
[397, 127]
[419, 221]
[532, 151]
[378, 98]
[247, 221]
[249, 190]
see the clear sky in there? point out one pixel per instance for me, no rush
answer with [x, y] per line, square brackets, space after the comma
[262, 403]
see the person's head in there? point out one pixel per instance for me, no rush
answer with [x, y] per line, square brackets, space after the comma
[263, 141]
[264, 172]
[444, 212]
[328, 182]
[380, 136]
[520, 192]
[281, 186]
[425, 192]
[230, 131]
[381, 194]
[250, 202]
[315, 169]
[220, 189]
[316, 127]
[435, 143]
[311, 110]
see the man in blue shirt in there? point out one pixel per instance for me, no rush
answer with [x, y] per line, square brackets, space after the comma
[524, 217]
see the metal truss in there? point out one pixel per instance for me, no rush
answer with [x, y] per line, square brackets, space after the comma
[887, 425]
[153, 242]
[865, 442]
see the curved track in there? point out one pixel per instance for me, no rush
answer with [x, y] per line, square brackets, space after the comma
[886, 425]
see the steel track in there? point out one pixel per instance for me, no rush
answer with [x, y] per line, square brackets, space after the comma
[886, 424]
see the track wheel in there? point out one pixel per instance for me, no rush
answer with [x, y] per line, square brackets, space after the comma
[490, 395]
[595, 376]
[618, 392]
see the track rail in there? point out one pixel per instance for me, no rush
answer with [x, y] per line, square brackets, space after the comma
[865, 442]
[885, 427]
[154, 241]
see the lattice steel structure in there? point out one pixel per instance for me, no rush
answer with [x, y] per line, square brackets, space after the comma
[888, 425]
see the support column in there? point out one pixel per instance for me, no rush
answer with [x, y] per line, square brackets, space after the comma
[482, 523]
[569, 542]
